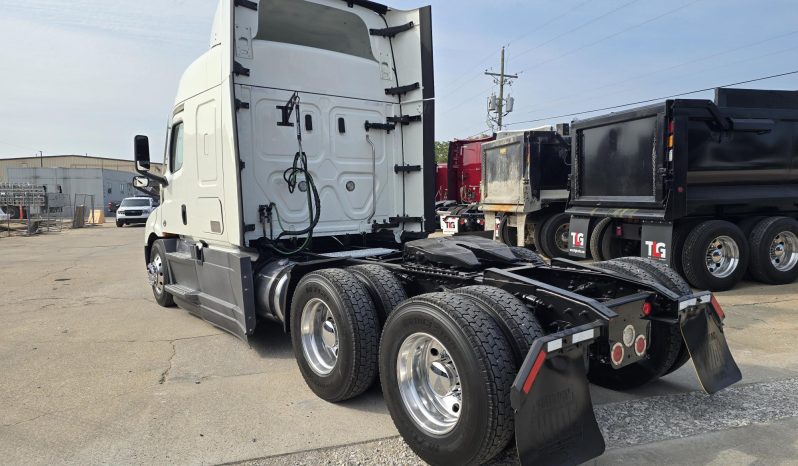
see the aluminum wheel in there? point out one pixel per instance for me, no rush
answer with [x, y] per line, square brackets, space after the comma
[561, 237]
[319, 336]
[155, 274]
[722, 256]
[429, 383]
[784, 251]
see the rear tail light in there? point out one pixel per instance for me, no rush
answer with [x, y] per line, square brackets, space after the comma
[616, 354]
[619, 231]
[481, 221]
[462, 221]
[671, 126]
[646, 309]
[640, 345]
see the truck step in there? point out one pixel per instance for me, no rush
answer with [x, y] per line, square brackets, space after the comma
[183, 292]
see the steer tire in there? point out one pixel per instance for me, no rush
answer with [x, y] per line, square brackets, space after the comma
[672, 281]
[761, 239]
[517, 322]
[548, 232]
[356, 329]
[665, 345]
[484, 362]
[119, 224]
[528, 256]
[163, 298]
[383, 286]
[694, 255]
[596, 239]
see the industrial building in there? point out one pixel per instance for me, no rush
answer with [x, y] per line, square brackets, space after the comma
[102, 185]
[69, 161]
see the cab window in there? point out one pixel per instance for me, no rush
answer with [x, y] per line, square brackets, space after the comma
[176, 152]
[309, 24]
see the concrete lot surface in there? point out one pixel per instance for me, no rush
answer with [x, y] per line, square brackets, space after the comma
[94, 371]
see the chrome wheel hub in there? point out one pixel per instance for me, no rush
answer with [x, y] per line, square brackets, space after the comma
[784, 251]
[155, 274]
[561, 237]
[722, 256]
[319, 336]
[429, 383]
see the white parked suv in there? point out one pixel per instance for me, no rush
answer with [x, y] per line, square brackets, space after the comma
[134, 210]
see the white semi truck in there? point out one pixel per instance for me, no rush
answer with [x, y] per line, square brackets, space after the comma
[299, 189]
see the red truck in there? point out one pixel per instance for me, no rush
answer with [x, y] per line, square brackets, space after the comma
[458, 188]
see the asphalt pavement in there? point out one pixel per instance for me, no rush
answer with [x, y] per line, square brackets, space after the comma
[95, 372]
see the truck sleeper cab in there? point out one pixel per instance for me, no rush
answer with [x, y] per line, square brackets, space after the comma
[299, 189]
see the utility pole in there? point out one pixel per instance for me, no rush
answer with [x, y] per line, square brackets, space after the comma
[500, 105]
[41, 159]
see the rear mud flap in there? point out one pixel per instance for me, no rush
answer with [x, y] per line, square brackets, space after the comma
[554, 419]
[703, 335]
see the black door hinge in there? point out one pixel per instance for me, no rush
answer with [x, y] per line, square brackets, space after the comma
[383, 126]
[239, 69]
[406, 168]
[391, 31]
[250, 227]
[401, 90]
[404, 119]
[246, 4]
[241, 164]
[240, 104]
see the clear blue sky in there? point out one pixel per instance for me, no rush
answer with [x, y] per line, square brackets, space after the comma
[84, 76]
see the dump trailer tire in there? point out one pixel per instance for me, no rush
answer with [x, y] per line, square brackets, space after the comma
[596, 239]
[665, 345]
[383, 286]
[719, 239]
[334, 332]
[479, 368]
[550, 240]
[527, 255]
[774, 251]
[674, 282]
[677, 245]
[516, 320]
[158, 262]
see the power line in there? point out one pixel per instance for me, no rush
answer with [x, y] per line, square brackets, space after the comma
[652, 100]
[615, 34]
[571, 97]
[587, 23]
[488, 57]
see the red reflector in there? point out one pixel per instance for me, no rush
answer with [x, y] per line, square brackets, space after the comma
[671, 125]
[617, 354]
[462, 221]
[680, 189]
[717, 308]
[640, 345]
[481, 221]
[646, 309]
[619, 231]
[533, 374]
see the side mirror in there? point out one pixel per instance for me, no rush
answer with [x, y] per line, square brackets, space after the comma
[141, 148]
[141, 182]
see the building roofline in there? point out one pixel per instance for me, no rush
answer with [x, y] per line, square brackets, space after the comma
[70, 155]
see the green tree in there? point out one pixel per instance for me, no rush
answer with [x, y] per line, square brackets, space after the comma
[441, 151]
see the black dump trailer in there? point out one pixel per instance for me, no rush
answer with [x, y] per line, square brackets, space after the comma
[525, 188]
[710, 187]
